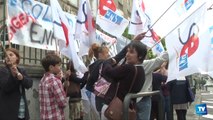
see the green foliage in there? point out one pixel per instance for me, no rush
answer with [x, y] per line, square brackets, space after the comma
[211, 78]
[200, 81]
[203, 82]
[163, 43]
[125, 34]
[150, 55]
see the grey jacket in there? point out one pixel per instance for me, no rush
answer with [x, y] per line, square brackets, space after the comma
[149, 67]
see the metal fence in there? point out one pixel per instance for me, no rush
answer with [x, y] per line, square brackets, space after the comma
[130, 96]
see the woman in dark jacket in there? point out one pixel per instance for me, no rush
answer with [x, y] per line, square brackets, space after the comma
[13, 82]
[75, 102]
[179, 96]
[124, 74]
[100, 53]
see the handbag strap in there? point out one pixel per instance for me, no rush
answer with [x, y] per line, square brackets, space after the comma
[136, 71]
[100, 69]
[117, 89]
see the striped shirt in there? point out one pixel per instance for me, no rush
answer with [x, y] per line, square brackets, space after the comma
[21, 113]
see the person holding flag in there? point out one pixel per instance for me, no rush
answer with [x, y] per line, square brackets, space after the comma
[143, 105]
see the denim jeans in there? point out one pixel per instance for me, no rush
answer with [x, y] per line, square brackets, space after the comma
[168, 108]
[144, 108]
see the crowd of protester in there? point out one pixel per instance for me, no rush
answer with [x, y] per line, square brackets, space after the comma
[127, 72]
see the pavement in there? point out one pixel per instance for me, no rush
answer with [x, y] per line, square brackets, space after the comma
[191, 114]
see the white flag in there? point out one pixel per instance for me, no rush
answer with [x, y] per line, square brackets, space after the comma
[139, 18]
[66, 48]
[109, 19]
[85, 27]
[167, 14]
[189, 46]
[209, 24]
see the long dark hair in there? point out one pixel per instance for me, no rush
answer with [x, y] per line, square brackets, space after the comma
[70, 67]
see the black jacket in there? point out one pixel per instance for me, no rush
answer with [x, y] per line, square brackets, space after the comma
[10, 94]
[93, 75]
[179, 91]
[78, 81]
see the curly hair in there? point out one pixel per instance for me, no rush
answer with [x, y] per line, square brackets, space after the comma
[95, 49]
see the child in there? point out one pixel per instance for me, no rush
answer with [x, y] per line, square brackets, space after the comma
[75, 102]
[52, 96]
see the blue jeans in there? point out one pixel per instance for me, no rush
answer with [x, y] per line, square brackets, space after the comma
[168, 108]
[144, 108]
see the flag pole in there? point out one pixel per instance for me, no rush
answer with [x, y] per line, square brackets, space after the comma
[160, 17]
[176, 27]
[4, 27]
[163, 14]
[210, 8]
[4, 51]
[4, 19]
[2, 46]
[5, 30]
[56, 39]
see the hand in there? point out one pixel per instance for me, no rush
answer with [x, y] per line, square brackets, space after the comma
[139, 36]
[14, 70]
[16, 73]
[111, 61]
[66, 84]
[19, 76]
[67, 73]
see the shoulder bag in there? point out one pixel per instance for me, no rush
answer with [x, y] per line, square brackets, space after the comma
[115, 109]
[102, 85]
[191, 95]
